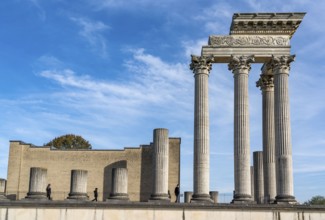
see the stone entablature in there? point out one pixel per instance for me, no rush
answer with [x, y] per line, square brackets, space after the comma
[266, 23]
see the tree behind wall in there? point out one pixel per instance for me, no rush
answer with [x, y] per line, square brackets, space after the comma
[316, 200]
[69, 141]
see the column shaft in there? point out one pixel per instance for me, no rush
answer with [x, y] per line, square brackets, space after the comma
[283, 147]
[240, 67]
[201, 67]
[258, 177]
[160, 164]
[37, 183]
[78, 185]
[119, 184]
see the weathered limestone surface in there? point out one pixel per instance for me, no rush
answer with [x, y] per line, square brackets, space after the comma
[78, 187]
[160, 165]
[119, 184]
[283, 147]
[258, 177]
[214, 196]
[240, 67]
[267, 86]
[252, 183]
[37, 183]
[95, 211]
[201, 67]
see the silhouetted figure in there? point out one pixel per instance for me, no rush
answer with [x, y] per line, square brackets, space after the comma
[176, 191]
[48, 191]
[95, 194]
[169, 196]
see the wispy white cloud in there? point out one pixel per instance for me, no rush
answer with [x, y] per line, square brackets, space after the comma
[92, 32]
[41, 12]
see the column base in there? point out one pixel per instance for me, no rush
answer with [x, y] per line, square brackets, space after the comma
[285, 199]
[36, 195]
[163, 197]
[78, 196]
[242, 198]
[201, 198]
[118, 196]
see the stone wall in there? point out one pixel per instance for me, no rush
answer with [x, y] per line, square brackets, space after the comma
[19, 210]
[98, 163]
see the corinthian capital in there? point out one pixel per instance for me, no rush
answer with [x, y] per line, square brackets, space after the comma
[281, 64]
[241, 63]
[265, 82]
[201, 63]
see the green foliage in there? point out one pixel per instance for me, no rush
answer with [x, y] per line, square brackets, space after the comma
[316, 200]
[69, 141]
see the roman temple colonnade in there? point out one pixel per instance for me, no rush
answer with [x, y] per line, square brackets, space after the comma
[254, 38]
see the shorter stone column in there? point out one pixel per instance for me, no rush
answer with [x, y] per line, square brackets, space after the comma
[160, 165]
[3, 189]
[119, 184]
[252, 182]
[187, 196]
[37, 183]
[78, 185]
[258, 177]
[214, 196]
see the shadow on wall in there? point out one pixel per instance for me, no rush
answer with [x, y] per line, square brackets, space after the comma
[146, 180]
[108, 176]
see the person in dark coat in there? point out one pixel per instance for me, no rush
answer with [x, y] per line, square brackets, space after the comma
[176, 191]
[48, 191]
[95, 194]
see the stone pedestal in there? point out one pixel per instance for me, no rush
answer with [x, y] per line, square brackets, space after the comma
[3, 190]
[37, 183]
[187, 196]
[78, 185]
[160, 165]
[283, 147]
[214, 196]
[267, 86]
[119, 184]
[258, 177]
[201, 67]
[240, 67]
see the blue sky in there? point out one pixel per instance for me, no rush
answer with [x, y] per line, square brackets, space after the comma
[112, 71]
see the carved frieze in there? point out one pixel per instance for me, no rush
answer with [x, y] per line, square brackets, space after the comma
[249, 41]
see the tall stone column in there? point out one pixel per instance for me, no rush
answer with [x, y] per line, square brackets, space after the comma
[119, 184]
[201, 67]
[78, 185]
[258, 177]
[37, 183]
[267, 86]
[160, 164]
[3, 189]
[240, 66]
[283, 147]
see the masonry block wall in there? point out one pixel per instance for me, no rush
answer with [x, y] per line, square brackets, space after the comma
[98, 163]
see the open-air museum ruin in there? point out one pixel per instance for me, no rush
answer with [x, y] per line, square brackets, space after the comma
[138, 183]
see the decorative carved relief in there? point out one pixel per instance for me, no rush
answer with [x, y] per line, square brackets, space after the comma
[201, 62]
[265, 82]
[282, 63]
[249, 41]
[240, 62]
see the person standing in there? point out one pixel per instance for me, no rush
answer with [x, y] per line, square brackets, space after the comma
[95, 194]
[176, 191]
[48, 191]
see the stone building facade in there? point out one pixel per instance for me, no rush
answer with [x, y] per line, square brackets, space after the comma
[98, 163]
